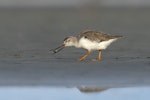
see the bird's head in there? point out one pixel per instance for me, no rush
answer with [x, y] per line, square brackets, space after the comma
[69, 41]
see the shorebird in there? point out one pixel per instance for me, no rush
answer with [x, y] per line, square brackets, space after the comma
[89, 40]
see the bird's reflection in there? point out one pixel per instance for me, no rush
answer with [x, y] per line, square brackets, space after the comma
[86, 89]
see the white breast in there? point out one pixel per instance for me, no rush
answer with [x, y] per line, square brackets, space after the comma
[93, 45]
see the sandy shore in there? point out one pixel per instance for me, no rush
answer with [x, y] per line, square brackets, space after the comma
[27, 35]
[67, 72]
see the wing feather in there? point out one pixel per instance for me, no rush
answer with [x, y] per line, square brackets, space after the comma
[96, 36]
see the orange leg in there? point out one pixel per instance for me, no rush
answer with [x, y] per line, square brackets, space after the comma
[98, 57]
[85, 56]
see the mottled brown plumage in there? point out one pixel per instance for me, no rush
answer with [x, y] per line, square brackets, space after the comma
[96, 36]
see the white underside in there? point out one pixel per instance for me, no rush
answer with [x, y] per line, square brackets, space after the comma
[91, 45]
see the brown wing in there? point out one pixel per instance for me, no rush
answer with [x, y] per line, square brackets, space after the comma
[96, 36]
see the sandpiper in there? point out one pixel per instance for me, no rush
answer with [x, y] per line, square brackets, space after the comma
[89, 40]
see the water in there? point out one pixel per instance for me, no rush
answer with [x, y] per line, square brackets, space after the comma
[62, 93]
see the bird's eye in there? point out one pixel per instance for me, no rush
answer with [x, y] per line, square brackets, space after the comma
[85, 36]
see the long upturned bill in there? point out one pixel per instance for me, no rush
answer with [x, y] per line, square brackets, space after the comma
[56, 50]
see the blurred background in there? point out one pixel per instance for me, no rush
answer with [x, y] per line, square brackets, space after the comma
[28, 28]
[73, 3]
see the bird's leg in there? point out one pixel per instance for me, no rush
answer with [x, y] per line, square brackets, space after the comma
[98, 57]
[85, 56]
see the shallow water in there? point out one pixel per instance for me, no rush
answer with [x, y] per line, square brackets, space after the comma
[62, 93]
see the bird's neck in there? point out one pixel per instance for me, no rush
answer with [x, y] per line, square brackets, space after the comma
[76, 43]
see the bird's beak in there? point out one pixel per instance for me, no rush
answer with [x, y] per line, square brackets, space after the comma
[56, 50]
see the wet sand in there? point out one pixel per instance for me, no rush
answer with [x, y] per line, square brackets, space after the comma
[26, 36]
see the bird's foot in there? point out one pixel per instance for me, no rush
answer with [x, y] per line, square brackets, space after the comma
[96, 60]
[81, 59]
